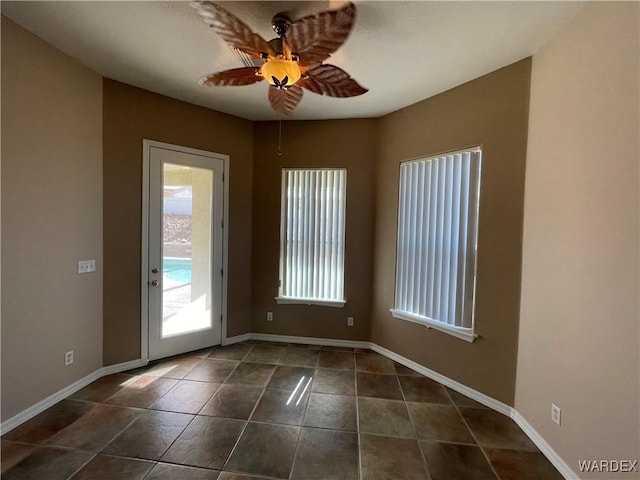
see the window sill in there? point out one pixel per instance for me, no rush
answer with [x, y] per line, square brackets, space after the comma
[465, 334]
[310, 301]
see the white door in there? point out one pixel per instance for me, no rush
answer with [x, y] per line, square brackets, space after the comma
[185, 245]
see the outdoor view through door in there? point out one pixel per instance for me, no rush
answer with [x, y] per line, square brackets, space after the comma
[184, 252]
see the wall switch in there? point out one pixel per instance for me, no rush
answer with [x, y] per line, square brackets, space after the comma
[86, 266]
[68, 358]
[555, 414]
[270, 316]
[349, 321]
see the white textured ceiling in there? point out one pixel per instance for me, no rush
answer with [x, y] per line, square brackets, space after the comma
[403, 52]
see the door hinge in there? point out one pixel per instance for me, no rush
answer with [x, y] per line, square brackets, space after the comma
[221, 272]
[221, 317]
[221, 223]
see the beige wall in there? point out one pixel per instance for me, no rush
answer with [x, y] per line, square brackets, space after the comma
[578, 344]
[131, 115]
[349, 144]
[51, 218]
[490, 111]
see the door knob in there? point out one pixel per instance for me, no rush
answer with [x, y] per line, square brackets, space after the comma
[155, 283]
[155, 270]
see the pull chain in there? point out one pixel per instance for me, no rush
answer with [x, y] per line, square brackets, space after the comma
[279, 151]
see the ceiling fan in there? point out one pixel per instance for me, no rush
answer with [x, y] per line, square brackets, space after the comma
[290, 62]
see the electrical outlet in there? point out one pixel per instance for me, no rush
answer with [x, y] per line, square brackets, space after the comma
[68, 358]
[555, 414]
[270, 316]
[86, 266]
[349, 321]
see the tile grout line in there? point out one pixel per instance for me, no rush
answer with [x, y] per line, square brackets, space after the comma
[484, 454]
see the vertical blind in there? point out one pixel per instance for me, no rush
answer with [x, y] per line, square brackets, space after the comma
[437, 231]
[312, 234]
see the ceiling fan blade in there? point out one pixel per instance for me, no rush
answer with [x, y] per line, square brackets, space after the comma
[233, 30]
[233, 77]
[285, 101]
[331, 81]
[315, 37]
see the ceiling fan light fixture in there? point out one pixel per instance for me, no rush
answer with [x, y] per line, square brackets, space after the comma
[281, 73]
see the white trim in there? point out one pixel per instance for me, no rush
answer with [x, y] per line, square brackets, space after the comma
[448, 382]
[328, 342]
[465, 334]
[144, 300]
[54, 398]
[563, 467]
[237, 339]
[310, 301]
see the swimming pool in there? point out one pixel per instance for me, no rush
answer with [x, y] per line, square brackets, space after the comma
[177, 269]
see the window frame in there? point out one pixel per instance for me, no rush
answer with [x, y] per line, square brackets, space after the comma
[465, 333]
[281, 298]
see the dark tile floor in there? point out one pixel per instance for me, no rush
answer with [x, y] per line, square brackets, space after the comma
[259, 410]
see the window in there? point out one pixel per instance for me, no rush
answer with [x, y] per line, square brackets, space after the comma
[437, 237]
[312, 237]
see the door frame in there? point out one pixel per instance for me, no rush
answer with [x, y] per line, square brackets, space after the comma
[144, 264]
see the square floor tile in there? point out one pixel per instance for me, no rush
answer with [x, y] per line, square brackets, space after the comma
[11, 453]
[405, 371]
[289, 378]
[492, 429]
[301, 357]
[265, 449]
[336, 359]
[237, 351]
[173, 367]
[265, 354]
[46, 424]
[325, 455]
[206, 442]
[142, 392]
[96, 428]
[379, 386]
[233, 401]
[337, 412]
[422, 389]
[281, 406]
[252, 374]
[48, 463]
[149, 435]
[450, 461]
[386, 458]
[384, 417]
[439, 422]
[374, 363]
[463, 401]
[212, 370]
[186, 397]
[103, 467]
[339, 382]
[521, 465]
[167, 471]
[103, 388]
[238, 476]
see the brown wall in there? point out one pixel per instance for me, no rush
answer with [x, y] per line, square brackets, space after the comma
[51, 218]
[131, 115]
[349, 144]
[490, 111]
[579, 328]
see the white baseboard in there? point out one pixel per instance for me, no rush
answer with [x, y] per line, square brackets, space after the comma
[565, 470]
[446, 381]
[490, 402]
[327, 342]
[51, 400]
[237, 339]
